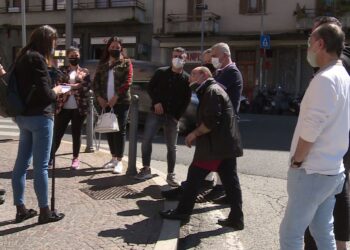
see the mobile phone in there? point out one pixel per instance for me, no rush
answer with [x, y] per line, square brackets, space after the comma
[65, 88]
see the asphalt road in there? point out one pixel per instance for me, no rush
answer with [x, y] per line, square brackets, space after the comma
[266, 140]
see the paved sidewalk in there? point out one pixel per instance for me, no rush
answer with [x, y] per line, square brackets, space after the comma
[103, 211]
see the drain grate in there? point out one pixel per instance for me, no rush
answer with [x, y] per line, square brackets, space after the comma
[109, 192]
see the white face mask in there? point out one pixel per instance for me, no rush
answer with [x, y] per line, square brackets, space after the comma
[311, 58]
[178, 63]
[216, 63]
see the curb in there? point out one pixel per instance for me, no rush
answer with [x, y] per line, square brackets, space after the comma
[170, 231]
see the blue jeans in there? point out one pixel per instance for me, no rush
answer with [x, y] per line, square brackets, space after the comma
[35, 142]
[311, 199]
[171, 130]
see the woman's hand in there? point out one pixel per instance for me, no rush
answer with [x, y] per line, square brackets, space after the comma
[102, 102]
[57, 89]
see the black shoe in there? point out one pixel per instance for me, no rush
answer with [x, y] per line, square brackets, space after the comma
[51, 217]
[208, 184]
[214, 194]
[237, 226]
[223, 200]
[30, 213]
[2, 191]
[173, 194]
[172, 214]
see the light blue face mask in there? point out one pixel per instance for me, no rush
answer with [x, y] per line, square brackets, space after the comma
[311, 58]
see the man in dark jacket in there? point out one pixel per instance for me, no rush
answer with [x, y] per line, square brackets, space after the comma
[170, 94]
[228, 75]
[216, 150]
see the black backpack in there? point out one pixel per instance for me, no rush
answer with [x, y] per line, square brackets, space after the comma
[11, 103]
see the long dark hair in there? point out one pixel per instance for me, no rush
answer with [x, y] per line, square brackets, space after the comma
[41, 41]
[105, 54]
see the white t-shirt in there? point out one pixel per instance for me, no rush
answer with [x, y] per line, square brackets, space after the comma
[110, 85]
[324, 120]
[71, 103]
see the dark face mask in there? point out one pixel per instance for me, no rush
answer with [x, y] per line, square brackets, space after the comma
[115, 53]
[73, 61]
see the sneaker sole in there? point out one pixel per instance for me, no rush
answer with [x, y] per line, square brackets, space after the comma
[171, 184]
[145, 177]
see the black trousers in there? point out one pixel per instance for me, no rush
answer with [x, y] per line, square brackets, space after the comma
[341, 216]
[62, 120]
[116, 140]
[229, 177]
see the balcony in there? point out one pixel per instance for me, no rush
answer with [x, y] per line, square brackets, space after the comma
[183, 23]
[102, 11]
[305, 17]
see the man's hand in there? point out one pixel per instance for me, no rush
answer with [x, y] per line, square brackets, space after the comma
[190, 138]
[102, 102]
[158, 109]
[113, 101]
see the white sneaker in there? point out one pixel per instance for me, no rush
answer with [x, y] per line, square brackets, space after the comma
[118, 167]
[170, 179]
[144, 174]
[109, 164]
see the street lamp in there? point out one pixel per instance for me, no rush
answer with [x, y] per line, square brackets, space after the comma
[202, 7]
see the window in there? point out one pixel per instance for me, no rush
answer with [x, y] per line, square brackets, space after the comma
[58, 4]
[102, 3]
[193, 13]
[252, 6]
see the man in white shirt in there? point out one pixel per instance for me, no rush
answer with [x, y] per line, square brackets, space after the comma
[319, 143]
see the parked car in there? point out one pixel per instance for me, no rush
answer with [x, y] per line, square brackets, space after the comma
[143, 71]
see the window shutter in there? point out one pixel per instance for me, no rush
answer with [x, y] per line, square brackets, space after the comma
[261, 8]
[243, 6]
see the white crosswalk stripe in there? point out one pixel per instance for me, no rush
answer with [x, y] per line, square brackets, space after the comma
[8, 129]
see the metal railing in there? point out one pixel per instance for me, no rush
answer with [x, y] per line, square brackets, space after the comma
[77, 6]
[184, 23]
[208, 16]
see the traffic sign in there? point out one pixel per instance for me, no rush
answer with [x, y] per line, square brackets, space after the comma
[265, 42]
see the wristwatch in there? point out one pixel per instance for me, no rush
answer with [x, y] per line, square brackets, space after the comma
[295, 164]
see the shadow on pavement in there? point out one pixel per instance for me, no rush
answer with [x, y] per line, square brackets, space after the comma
[135, 233]
[193, 240]
[16, 229]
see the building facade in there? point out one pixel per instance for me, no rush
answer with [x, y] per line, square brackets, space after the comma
[94, 21]
[240, 23]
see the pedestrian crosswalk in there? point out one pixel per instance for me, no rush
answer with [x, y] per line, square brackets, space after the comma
[8, 129]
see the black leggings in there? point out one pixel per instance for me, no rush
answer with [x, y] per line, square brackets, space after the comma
[62, 120]
[341, 216]
[116, 140]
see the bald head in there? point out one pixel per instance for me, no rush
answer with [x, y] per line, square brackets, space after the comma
[200, 74]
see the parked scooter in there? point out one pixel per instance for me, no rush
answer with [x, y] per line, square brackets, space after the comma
[294, 105]
[244, 106]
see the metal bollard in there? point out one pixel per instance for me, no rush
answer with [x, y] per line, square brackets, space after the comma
[133, 125]
[90, 125]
